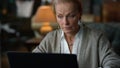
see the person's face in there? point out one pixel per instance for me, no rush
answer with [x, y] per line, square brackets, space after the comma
[67, 17]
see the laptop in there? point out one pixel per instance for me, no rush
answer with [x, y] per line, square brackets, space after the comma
[41, 60]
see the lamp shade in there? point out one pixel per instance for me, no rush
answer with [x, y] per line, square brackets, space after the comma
[44, 20]
[45, 14]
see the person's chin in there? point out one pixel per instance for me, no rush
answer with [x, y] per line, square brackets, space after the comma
[68, 31]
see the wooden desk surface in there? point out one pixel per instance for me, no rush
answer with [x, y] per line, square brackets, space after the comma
[33, 42]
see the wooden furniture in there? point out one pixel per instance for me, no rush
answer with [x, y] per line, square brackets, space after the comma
[32, 43]
[111, 12]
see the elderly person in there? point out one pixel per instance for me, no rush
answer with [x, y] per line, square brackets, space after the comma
[91, 47]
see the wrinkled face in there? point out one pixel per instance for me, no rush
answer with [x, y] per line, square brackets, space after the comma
[67, 17]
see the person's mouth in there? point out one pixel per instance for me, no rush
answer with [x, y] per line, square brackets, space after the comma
[67, 27]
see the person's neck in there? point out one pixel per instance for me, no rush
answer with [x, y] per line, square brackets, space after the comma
[71, 36]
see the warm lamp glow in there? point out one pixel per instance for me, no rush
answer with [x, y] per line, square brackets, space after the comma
[45, 28]
[45, 14]
[44, 20]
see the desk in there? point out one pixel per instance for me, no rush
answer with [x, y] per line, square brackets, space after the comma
[32, 43]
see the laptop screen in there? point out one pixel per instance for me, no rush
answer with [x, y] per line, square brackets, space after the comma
[41, 60]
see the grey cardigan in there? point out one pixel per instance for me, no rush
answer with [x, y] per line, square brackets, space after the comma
[95, 51]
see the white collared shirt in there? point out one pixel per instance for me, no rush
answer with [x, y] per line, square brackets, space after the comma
[76, 44]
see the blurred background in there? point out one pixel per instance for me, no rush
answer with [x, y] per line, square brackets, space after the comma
[24, 23]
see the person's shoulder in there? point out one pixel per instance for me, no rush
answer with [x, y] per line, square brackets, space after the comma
[53, 33]
[92, 31]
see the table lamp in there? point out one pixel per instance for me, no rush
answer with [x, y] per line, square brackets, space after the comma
[44, 19]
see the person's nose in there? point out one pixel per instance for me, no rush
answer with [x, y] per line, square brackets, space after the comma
[65, 21]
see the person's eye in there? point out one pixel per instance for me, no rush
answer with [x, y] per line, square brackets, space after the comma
[60, 16]
[72, 16]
